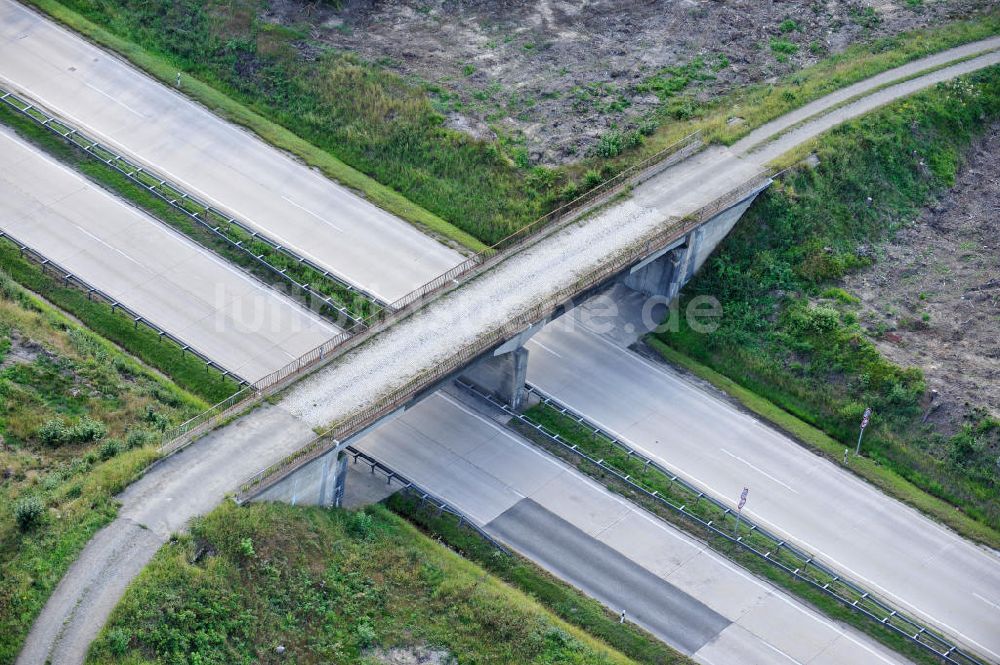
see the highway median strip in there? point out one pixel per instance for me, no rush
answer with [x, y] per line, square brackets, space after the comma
[622, 469]
[317, 288]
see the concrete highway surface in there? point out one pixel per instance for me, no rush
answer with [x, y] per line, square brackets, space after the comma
[225, 314]
[877, 541]
[267, 189]
[666, 582]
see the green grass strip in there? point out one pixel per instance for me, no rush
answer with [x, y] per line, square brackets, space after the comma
[563, 600]
[186, 370]
[882, 477]
[70, 151]
[283, 139]
[573, 433]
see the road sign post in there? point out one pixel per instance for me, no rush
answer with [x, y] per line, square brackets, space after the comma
[739, 509]
[864, 423]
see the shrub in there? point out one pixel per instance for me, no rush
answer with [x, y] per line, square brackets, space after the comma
[246, 548]
[88, 430]
[138, 438]
[156, 419]
[110, 448]
[610, 145]
[118, 640]
[783, 47]
[361, 526]
[366, 635]
[54, 432]
[28, 512]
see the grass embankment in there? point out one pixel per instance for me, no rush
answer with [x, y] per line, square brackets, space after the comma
[792, 336]
[359, 123]
[329, 586]
[652, 480]
[79, 420]
[106, 176]
[186, 370]
[563, 600]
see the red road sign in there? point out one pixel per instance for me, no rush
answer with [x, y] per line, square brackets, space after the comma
[743, 498]
[865, 418]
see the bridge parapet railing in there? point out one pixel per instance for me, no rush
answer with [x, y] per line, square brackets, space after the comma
[662, 159]
[369, 414]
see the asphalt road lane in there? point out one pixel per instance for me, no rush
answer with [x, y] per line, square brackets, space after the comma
[244, 326]
[275, 194]
[876, 540]
[667, 582]
[607, 575]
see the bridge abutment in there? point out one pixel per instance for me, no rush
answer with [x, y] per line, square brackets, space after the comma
[321, 482]
[666, 272]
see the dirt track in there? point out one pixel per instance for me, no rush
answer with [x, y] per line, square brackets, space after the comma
[560, 73]
[934, 297]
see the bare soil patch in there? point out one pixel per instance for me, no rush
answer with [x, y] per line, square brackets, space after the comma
[556, 75]
[933, 299]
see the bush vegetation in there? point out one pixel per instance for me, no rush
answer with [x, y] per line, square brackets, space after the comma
[74, 430]
[328, 586]
[362, 118]
[791, 335]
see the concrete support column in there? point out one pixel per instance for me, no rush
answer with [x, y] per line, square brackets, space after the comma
[502, 375]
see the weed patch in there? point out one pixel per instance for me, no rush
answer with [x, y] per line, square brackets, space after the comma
[315, 584]
[75, 425]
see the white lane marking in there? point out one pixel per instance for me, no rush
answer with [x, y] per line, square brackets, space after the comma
[535, 341]
[760, 471]
[772, 591]
[843, 476]
[777, 529]
[986, 600]
[657, 523]
[115, 100]
[111, 247]
[319, 217]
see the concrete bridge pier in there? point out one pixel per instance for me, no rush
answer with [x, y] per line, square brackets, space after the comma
[502, 375]
[505, 372]
[664, 273]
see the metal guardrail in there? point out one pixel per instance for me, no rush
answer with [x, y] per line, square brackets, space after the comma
[401, 395]
[440, 505]
[401, 307]
[92, 292]
[202, 213]
[800, 564]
